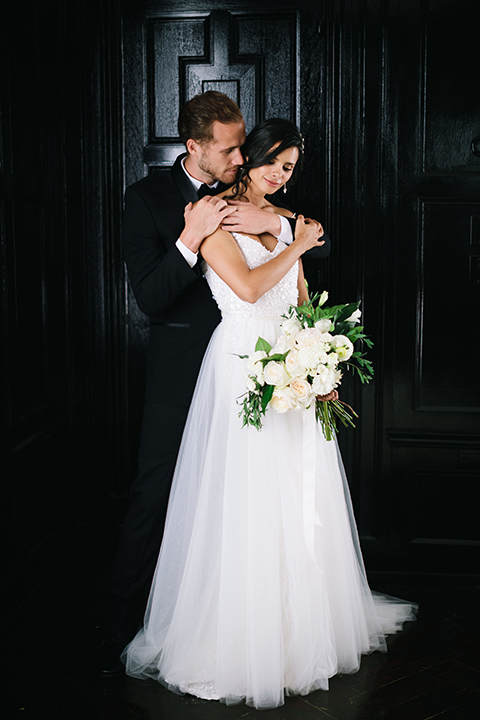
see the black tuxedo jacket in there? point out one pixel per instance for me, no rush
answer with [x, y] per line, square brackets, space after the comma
[175, 296]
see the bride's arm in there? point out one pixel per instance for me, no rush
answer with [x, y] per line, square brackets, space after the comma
[222, 253]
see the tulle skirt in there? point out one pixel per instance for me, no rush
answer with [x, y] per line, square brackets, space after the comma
[260, 589]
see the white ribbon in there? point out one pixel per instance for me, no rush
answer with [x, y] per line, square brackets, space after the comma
[310, 514]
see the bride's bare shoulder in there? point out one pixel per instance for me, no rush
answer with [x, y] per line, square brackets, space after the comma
[219, 239]
[220, 250]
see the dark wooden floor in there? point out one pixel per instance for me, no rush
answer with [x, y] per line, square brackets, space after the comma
[431, 670]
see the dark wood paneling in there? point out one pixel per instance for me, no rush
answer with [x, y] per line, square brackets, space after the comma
[447, 300]
[35, 376]
[404, 202]
[173, 44]
[64, 411]
[436, 386]
[276, 91]
[450, 115]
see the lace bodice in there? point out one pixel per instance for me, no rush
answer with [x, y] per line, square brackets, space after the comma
[275, 302]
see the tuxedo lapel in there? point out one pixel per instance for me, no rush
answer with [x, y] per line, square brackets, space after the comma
[186, 188]
[182, 182]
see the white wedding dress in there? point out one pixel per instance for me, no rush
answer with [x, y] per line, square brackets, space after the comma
[260, 589]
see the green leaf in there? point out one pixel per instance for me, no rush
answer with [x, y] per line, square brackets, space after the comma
[347, 310]
[267, 396]
[342, 328]
[304, 310]
[262, 345]
[277, 357]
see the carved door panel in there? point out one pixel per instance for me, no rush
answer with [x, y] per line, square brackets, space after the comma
[187, 53]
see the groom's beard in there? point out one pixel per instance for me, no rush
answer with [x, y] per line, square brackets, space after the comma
[226, 175]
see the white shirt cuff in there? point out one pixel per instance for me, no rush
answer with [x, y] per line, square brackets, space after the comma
[188, 254]
[286, 234]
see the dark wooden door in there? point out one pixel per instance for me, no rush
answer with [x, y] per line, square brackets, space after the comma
[388, 118]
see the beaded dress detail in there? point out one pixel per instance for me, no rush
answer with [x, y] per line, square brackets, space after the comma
[273, 303]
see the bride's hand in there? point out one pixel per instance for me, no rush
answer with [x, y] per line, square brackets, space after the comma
[308, 233]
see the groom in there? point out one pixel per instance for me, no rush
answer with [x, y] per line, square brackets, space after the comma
[162, 234]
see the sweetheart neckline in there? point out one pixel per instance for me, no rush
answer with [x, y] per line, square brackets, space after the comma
[258, 242]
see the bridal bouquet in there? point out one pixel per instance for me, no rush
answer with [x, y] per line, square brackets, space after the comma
[305, 363]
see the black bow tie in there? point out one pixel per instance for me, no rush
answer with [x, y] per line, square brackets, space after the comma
[206, 190]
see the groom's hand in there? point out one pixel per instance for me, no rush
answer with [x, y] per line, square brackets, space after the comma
[202, 219]
[248, 218]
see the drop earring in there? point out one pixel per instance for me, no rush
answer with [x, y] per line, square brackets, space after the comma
[285, 188]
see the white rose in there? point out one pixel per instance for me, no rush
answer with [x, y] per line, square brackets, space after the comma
[275, 373]
[342, 346]
[281, 346]
[355, 316]
[302, 390]
[293, 365]
[325, 381]
[283, 400]
[253, 359]
[324, 325]
[310, 357]
[291, 326]
[325, 337]
[254, 367]
[331, 360]
[307, 337]
[250, 384]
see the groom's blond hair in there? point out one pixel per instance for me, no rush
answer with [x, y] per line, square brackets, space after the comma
[198, 115]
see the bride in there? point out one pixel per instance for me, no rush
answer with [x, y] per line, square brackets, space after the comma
[260, 589]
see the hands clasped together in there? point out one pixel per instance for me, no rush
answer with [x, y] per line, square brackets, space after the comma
[308, 232]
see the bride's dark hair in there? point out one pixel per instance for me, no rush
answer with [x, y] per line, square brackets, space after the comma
[257, 149]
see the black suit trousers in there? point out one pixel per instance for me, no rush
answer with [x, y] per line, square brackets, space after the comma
[142, 530]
